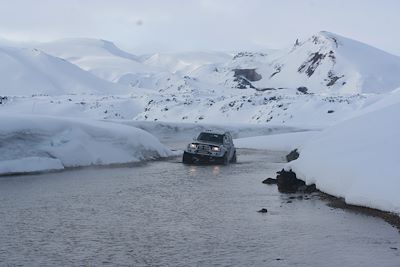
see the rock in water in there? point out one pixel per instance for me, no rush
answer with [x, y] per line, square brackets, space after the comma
[288, 183]
[293, 155]
[269, 181]
[263, 210]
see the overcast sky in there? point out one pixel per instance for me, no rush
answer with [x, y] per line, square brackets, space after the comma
[185, 25]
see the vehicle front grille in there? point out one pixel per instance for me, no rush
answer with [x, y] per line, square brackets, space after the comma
[203, 148]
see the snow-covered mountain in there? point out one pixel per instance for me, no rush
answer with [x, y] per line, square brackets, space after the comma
[26, 71]
[100, 57]
[327, 62]
[105, 60]
[324, 63]
[317, 82]
[76, 48]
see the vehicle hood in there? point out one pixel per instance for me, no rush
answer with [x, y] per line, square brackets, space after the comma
[207, 143]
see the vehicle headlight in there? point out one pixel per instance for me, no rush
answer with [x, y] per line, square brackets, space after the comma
[215, 149]
[193, 146]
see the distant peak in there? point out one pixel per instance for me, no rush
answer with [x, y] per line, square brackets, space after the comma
[106, 45]
[329, 35]
[325, 37]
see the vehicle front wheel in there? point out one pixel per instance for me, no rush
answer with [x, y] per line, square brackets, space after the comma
[225, 159]
[234, 158]
[187, 158]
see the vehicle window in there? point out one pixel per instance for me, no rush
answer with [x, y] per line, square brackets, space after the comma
[210, 137]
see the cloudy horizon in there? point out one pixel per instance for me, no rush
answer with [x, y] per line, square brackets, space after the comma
[170, 26]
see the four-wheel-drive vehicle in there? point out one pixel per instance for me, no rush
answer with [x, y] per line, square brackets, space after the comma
[211, 147]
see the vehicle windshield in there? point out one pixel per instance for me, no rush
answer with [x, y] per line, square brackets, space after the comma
[211, 137]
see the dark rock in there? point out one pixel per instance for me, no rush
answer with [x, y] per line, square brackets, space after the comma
[331, 111]
[243, 83]
[263, 210]
[265, 89]
[293, 155]
[292, 197]
[278, 68]
[248, 54]
[332, 56]
[312, 63]
[307, 189]
[303, 89]
[310, 189]
[302, 188]
[269, 181]
[289, 201]
[288, 183]
[3, 99]
[394, 248]
[332, 78]
[249, 74]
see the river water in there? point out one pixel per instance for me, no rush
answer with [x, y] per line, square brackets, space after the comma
[164, 213]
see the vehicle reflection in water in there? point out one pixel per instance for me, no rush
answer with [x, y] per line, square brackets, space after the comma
[216, 170]
[193, 169]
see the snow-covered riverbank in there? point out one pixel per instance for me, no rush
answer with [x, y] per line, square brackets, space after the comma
[355, 159]
[38, 143]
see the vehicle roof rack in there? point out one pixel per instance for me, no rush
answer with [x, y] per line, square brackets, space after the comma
[215, 131]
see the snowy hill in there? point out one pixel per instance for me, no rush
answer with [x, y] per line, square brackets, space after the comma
[101, 58]
[324, 63]
[31, 71]
[185, 63]
[74, 48]
[105, 60]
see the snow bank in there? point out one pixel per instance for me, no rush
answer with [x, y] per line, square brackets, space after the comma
[278, 142]
[357, 160]
[35, 143]
[30, 164]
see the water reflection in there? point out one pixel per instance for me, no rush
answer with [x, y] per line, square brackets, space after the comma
[216, 170]
[192, 170]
